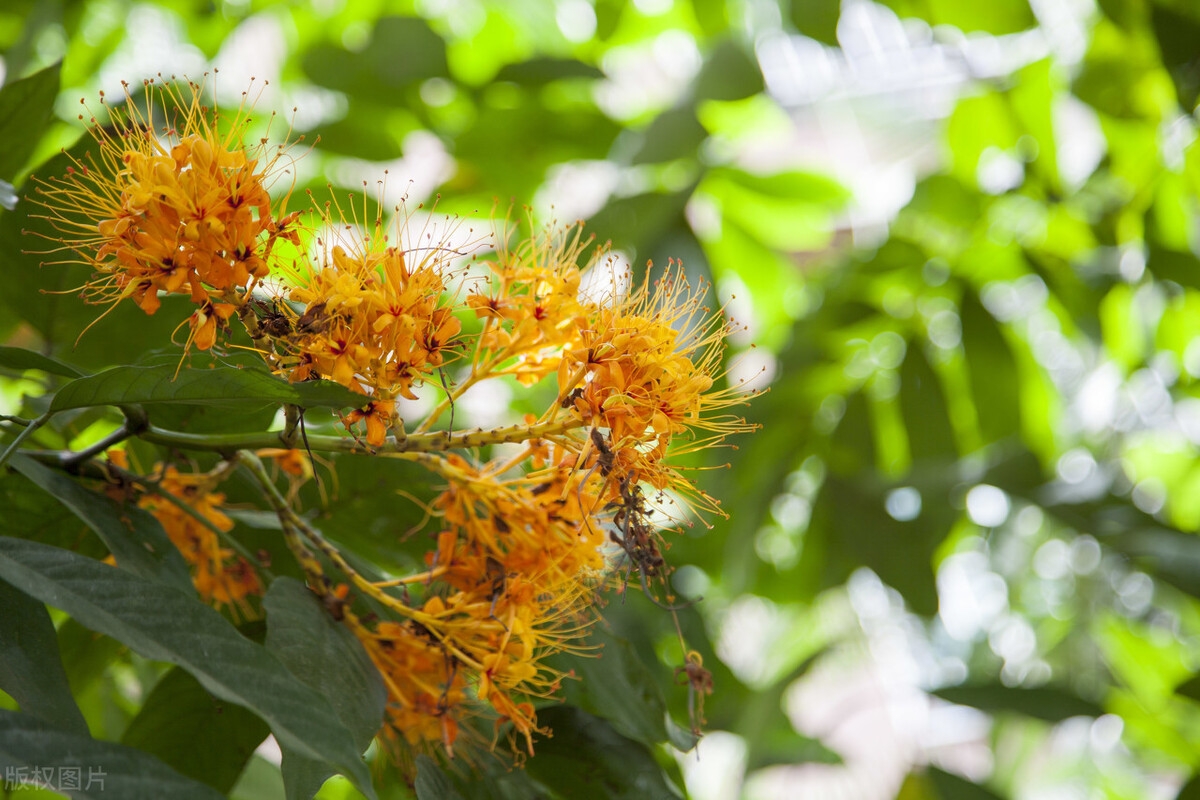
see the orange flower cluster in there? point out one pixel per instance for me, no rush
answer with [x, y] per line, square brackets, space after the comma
[645, 366]
[426, 688]
[638, 365]
[221, 576]
[530, 306]
[524, 543]
[373, 321]
[181, 210]
[511, 582]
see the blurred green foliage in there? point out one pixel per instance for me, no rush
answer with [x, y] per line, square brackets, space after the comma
[999, 393]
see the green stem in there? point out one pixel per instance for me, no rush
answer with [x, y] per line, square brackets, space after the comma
[23, 435]
[436, 442]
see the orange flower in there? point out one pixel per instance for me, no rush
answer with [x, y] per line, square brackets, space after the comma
[374, 318]
[182, 210]
[221, 577]
[645, 370]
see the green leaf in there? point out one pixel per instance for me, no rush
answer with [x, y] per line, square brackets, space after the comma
[1190, 790]
[817, 19]
[432, 783]
[1043, 702]
[616, 768]
[616, 685]
[85, 654]
[544, 69]
[1172, 265]
[1177, 35]
[675, 133]
[401, 51]
[26, 106]
[996, 17]
[729, 73]
[1190, 688]
[326, 656]
[992, 370]
[329, 659]
[850, 527]
[952, 787]
[1172, 556]
[18, 358]
[132, 535]
[161, 623]
[195, 733]
[639, 222]
[31, 667]
[923, 405]
[224, 388]
[105, 770]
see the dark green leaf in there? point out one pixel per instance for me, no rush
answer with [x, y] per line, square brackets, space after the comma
[370, 518]
[1190, 790]
[993, 372]
[225, 388]
[616, 685]
[329, 659]
[1044, 702]
[923, 405]
[164, 624]
[1172, 556]
[1189, 688]
[1178, 35]
[402, 51]
[105, 770]
[18, 358]
[817, 19]
[348, 137]
[512, 142]
[132, 535]
[587, 760]
[675, 133]
[26, 106]
[432, 783]
[31, 669]
[195, 733]
[639, 222]
[85, 654]
[729, 73]
[1171, 265]
[543, 70]
[952, 787]
[30, 513]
